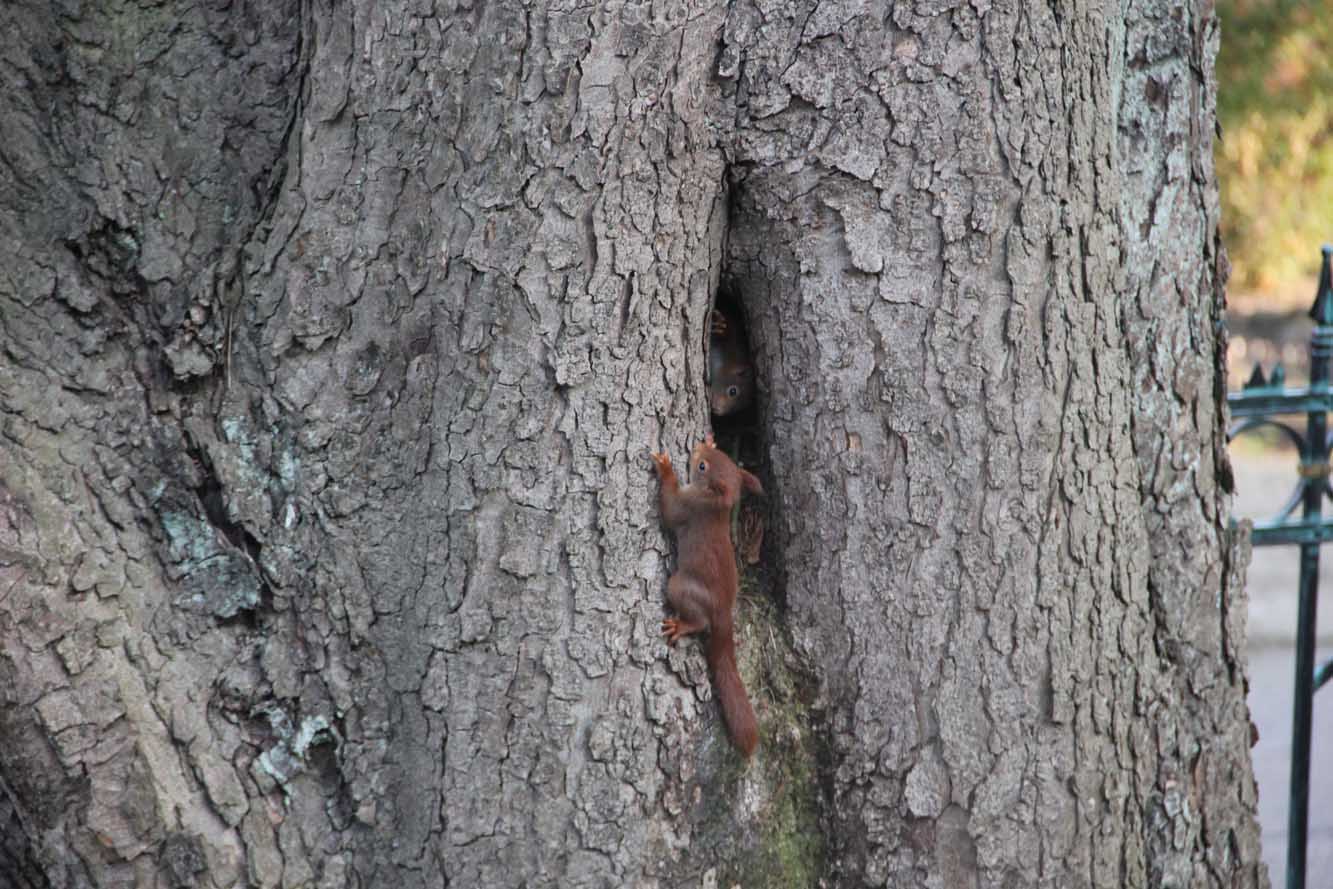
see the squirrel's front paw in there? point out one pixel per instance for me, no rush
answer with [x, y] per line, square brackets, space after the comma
[662, 462]
[718, 324]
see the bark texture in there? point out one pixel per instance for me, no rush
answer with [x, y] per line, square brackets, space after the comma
[336, 336]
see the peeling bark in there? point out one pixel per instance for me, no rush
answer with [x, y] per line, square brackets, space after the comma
[335, 341]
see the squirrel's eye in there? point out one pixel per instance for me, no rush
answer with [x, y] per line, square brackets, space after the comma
[703, 465]
[733, 391]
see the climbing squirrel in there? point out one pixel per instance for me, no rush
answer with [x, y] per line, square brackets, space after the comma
[703, 589]
[730, 372]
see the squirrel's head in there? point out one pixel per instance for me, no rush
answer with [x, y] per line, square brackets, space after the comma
[711, 468]
[730, 390]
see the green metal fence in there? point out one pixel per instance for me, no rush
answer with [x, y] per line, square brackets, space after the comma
[1260, 404]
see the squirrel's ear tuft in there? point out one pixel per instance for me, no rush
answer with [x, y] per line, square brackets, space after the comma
[751, 484]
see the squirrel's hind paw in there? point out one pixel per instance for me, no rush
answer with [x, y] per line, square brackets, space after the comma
[672, 630]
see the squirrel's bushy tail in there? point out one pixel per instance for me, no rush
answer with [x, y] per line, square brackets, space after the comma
[736, 709]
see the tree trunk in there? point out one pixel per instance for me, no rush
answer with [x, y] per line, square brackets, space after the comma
[336, 339]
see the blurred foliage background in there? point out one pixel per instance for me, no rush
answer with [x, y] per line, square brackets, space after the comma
[1275, 157]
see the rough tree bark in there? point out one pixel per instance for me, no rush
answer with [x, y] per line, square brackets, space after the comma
[335, 337]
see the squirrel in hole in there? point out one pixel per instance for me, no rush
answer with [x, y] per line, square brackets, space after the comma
[703, 589]
[730, 371]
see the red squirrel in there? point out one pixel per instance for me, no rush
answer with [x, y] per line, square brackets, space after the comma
[730, 371]
[703, 589]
